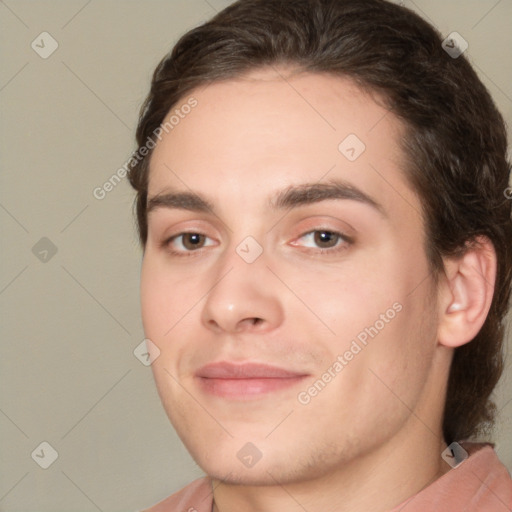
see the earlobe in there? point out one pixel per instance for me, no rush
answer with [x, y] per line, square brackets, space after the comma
[466, 295]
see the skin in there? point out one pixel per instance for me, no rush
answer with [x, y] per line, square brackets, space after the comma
[372, 436]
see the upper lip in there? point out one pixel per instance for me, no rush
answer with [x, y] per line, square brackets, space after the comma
[228, 370]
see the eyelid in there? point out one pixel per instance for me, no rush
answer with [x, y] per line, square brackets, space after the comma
[345, 239]
[341, 234]
[166, 242]
[196, 226]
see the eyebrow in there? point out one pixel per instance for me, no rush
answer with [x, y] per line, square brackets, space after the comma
[293, 196]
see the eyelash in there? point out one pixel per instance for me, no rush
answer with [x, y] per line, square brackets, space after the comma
[346, 241]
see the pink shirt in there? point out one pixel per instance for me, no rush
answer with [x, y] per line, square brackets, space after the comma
[479, 484]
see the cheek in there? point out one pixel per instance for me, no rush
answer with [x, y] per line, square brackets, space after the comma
[393, 368]
[382, 380]
[382, 313]
[169, 306]
[162, 300]
[351, 302]
[165, 297]
[152, 297]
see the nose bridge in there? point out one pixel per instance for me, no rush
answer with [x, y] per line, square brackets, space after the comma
[242, 293]
[244, 257]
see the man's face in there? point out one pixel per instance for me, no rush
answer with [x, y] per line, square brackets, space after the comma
[332, 290]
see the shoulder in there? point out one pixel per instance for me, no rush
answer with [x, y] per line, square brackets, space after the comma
[480, 482]
[492, 479]
[195, 497]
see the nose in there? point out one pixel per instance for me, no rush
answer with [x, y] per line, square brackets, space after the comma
[243, 298]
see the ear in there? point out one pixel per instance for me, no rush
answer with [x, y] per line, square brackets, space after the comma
[465, 293]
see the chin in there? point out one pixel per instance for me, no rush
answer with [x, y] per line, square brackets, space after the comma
[270, 470]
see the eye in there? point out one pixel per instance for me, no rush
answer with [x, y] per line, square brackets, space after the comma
[325, 240]
[184, 243]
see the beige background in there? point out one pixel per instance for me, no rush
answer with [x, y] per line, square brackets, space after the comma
[70, 325]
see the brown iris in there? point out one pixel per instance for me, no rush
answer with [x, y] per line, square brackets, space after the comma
[326, 237]
[193, 241]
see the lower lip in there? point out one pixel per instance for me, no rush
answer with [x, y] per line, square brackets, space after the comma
[247, 388]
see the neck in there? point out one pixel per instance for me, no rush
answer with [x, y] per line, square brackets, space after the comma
[378, 480]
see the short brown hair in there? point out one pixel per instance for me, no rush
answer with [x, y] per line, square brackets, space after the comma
[455, 143]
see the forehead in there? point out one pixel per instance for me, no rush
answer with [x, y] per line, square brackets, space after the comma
[272, 128]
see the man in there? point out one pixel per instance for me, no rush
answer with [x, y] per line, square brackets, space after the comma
[321, 202]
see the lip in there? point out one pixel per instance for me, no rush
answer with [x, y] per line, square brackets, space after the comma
[246, 380]
[228, 370]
